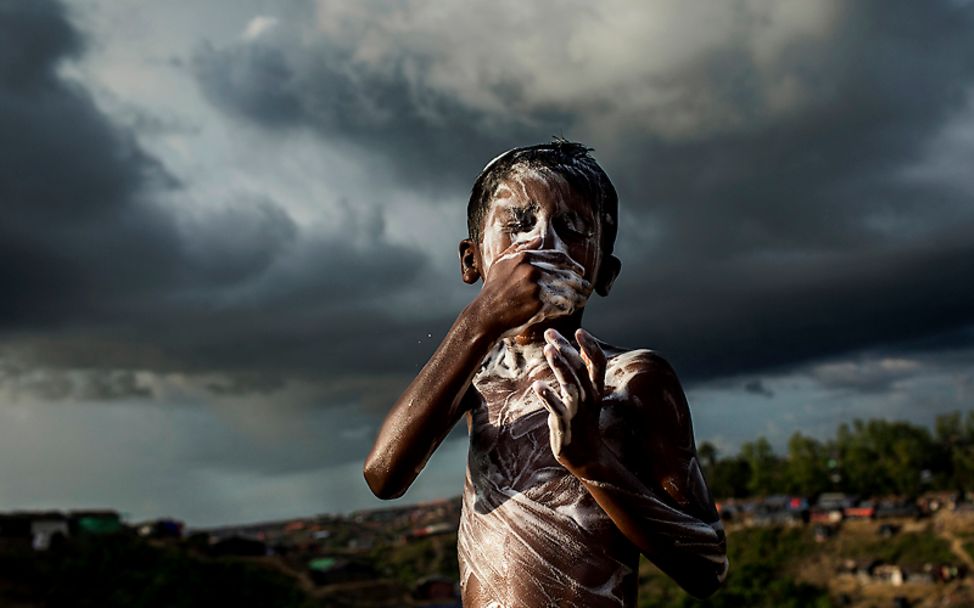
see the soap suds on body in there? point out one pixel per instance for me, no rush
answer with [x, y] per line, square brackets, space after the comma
[527, 522]
[530, 533]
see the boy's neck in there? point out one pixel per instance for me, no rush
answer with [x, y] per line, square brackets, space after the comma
[566, 326]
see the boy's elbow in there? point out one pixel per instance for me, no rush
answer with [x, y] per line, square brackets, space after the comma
[380, 482]
[701, 590]
[707, 582]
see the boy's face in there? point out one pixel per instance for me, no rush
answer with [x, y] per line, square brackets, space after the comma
[539, 203]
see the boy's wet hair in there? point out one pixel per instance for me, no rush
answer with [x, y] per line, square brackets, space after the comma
[568, 159]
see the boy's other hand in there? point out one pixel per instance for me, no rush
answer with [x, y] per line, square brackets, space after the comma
[573, 410]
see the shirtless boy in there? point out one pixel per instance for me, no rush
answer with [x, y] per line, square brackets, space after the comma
[581, 453]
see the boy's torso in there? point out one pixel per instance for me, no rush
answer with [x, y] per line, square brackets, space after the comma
[530, 534]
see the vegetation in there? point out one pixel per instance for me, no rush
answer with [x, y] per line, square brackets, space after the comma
[906, 549]
[873, 458]
[764, 561]
[770, 566]
[121, 570]
[412, 561]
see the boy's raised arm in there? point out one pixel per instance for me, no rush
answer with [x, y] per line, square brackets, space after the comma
[429, 407]
[439, 395]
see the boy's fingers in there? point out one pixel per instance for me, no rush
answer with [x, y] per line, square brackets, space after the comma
[571, 356]
[560, 302]
[570, 387]
[516, 247]
[594, 358]
[559, 431]
[567, 277]
[558, 434]
[556, 258]
[573, 360]
[553, 337]
[564, 296]
[531, 245]
[550, 400]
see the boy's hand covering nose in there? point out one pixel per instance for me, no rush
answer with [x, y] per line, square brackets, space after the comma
[526, 285]
[573, 410]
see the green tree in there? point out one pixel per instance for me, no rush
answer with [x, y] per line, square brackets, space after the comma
[955, 437]
[858, 461]
[907, 451]
[726, 477]
[882, 457]
[807, 470]
[765, 467]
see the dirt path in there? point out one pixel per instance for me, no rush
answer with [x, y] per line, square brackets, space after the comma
[957, 548]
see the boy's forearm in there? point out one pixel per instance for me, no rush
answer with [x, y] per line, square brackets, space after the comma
[689, 549]
[429, 407]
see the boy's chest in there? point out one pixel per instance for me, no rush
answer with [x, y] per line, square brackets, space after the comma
[509, 435]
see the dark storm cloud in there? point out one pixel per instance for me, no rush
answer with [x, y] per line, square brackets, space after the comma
[773, 217]
[783, 311]
[426, 137]
[753, 236]
[757, 387]
[99, 269]
[74, 231]
[803, 238]
[35, 36]
[770, 216]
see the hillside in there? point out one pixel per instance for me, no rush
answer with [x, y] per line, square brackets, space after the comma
[407, 557]
[858, 567]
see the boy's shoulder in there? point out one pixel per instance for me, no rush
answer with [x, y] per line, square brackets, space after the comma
[632, 360]
[626, 369]
[644, 388]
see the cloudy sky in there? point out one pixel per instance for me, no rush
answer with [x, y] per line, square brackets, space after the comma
[229, 228]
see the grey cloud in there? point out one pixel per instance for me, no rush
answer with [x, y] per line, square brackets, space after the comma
[885, 372]
[310, 305]
[772, 226]
[106, 261]
[188, 463]
[784, 311]
[18, 383]
[246, 384]
[869, 375]
[77, 231]
[36, 35]
[235, 244]
[769, 216]
[761, 228]
[390, 115]
[757, 387]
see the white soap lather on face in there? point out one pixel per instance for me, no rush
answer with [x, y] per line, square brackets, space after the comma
[563, 286]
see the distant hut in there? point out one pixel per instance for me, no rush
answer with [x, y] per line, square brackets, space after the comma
[161, 528]
[38, 530]
[94, 523]
[48, 530]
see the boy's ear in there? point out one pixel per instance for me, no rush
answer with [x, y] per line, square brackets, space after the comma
[469, 270]
[607, 275]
